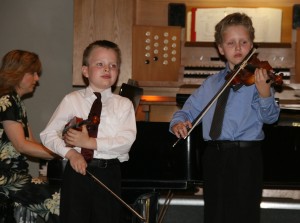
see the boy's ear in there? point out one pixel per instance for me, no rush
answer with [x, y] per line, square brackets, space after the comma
[84, 71]
[220, 48]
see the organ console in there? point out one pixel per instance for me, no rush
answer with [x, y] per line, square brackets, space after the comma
[200, 61]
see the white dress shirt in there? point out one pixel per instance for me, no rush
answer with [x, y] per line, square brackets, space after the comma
[116, 131]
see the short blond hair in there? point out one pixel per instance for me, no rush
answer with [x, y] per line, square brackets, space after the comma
[233, 19]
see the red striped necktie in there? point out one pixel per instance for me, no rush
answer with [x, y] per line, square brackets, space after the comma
[93, 129]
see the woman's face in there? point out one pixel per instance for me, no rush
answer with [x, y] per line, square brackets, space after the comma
[236, 44]
[28, 83]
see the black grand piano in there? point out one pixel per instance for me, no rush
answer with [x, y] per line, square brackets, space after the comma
[155, 166]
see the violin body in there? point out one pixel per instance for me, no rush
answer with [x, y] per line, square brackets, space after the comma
[76, 123]
[246, 76]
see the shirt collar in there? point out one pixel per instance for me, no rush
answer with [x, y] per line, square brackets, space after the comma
[223, 74]
[89, 92]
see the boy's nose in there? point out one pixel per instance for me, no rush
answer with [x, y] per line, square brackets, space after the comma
[106, 68]
[237, 46]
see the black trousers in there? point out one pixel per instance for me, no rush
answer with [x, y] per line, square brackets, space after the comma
[83, 200]
[232, 182]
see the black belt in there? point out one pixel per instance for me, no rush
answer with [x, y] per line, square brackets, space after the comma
[233, 144]
[104, 163]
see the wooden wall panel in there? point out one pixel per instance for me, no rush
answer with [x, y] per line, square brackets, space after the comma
[155, 12]
[101, 19]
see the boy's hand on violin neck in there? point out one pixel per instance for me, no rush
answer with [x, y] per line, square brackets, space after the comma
[262, 82]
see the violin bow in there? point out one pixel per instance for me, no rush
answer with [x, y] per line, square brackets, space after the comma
[116, 196]
[217, 95]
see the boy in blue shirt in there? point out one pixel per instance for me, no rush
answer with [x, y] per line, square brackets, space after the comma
[232, 162]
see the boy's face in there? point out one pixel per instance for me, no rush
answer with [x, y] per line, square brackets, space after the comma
[102, 70]
[236, 44]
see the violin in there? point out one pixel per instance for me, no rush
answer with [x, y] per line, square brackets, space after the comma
[246, 76]
[76, 123]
